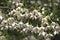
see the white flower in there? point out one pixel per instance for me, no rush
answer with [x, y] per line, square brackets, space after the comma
[39, 13]
[43, 33]
[13, 2]
[53, 23]
[24, 29]
[32, 17]
[48, 39]
[21, 22]
[21, 4]
[43, 9]
[43, 12]
[13, 24]
[56, 4]
[17, 4]
[10, 27]
[44, 20]
[39, 2]
[50, 34]
[27, 24]
[57, 19]
[35, 17]
[48, 26]
[51, 14]
[2, 28]
[36, 11]
[42, 28]
[10, 20]
[45, 5]
[22, 15]
[14, 10]
[6, 26]
[11, 13]
[55, 32]
[53, 26]
[36, 30]
[14, 27]
[1, 17]
[57, 27]
[10, 1]
[26, 15]
[32, 2]
[31, 28]
[4, 21]
[40, 17]
[18, 8]
[47, 17]
[40, 34]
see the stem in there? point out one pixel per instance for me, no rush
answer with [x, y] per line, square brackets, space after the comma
[53, 6]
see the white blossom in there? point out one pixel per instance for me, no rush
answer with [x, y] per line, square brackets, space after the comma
[43, 9]
[43, 28]
[6, 26]
[13, 24]
[21, 22]
[43, 33]
[13, 2]
[21, 4]
[27, 24]
[48, 39]
[50, 34]
[55, 32]
[18, 8]
[1, 17]
[36, 30]
[2, 28]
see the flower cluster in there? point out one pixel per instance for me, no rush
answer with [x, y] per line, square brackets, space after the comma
[12, 24]
[19, 15]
